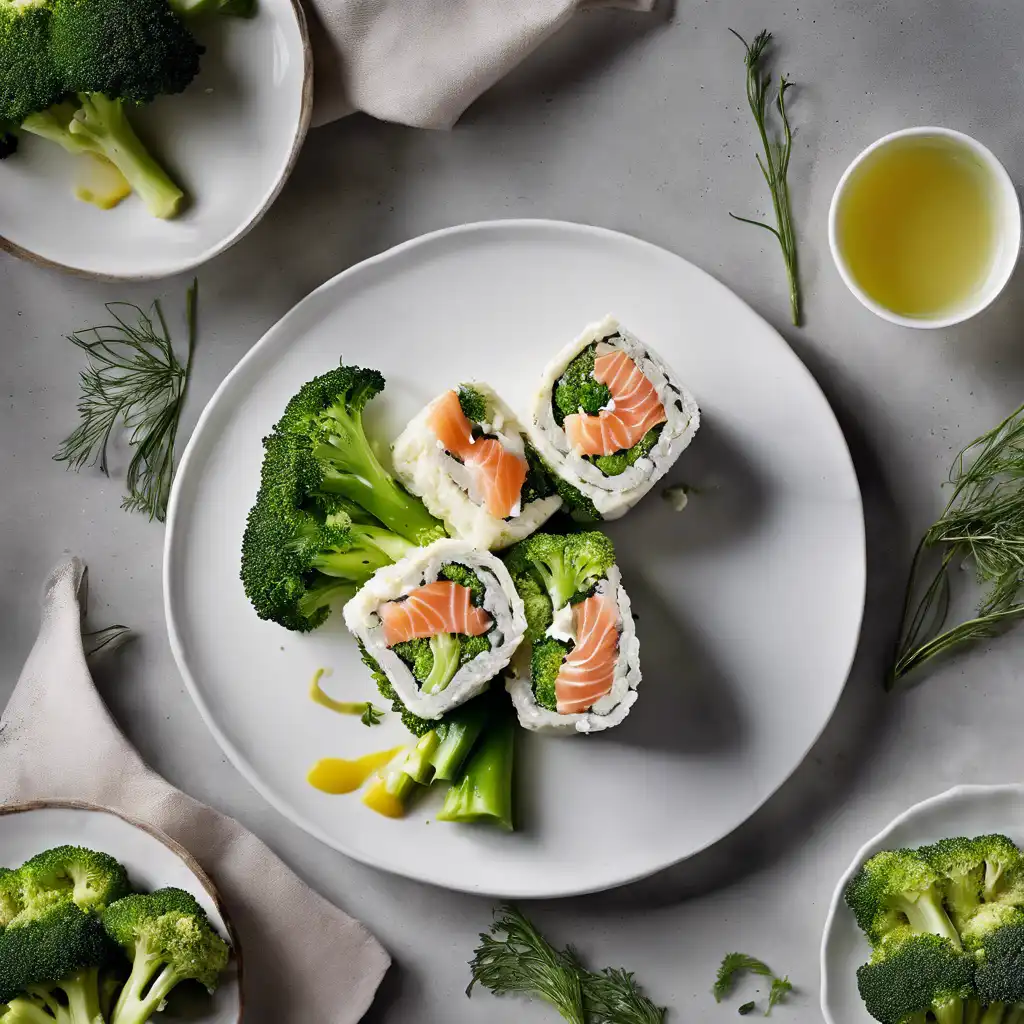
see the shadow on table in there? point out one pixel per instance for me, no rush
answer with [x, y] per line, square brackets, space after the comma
[832, 767]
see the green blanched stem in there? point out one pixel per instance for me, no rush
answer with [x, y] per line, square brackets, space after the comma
[22, 1011]
[928, 915]
[104, 123]
[418, 764]
[446, 649]
[370, 486]
[484, 792]
[324, 593]
[993, 1015]
[83, 992]
[359, 564]
[461, 730]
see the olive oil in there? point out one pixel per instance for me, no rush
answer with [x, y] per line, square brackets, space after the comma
[917, 226]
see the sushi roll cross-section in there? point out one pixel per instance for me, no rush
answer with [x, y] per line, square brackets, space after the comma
[580, 667]
[470, 460]
[440, 624]
[610, 419]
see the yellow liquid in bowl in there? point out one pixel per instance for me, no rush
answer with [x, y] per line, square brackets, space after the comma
[916, 226]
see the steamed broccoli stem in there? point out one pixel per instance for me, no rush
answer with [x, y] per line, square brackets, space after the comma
[484, 791]
[418, 763]
[459, 733]
[927, 914]
[352, 470]
[54, 124]
[105, 125]
[83, 992]
[993, 1015]
[446, 648]
[23, 1011]
[138, 1002]
[324, 593]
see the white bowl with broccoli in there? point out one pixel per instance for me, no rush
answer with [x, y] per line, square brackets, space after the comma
[102, 918]
[140, 138]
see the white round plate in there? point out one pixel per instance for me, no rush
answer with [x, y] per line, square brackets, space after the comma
[152, 860]
[963, 811]
[230, 141]
[749, 603]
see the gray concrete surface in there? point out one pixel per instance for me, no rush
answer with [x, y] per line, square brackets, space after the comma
[635, 123]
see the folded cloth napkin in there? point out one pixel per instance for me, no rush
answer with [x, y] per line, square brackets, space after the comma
[305, 961]
[422, 62]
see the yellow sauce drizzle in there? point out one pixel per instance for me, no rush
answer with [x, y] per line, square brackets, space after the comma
[336, 775]
[378, 799]
[343, 707]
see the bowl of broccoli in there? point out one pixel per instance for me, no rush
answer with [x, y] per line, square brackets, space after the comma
[126, 934]
[927, 925]
[139, 138]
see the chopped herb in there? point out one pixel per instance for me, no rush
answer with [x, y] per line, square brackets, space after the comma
[734, 964]
[781, 987]
[747, 1008]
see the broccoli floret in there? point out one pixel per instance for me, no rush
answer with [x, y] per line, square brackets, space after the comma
[972, 869]
[465, 577]
[537, 603]
[168, 938]
[568, 566]
[995, 935]
[615, 465]
[12, 902]
[577, 390]
[896, 888]
[131, 50]
[473, 404]
[435, 660]
[29, 78]
[296, 560]
[328, 414]
[913, 974]
[90, 879]
[226, 8]
[545, 663]
[49, 967]
[472, 646]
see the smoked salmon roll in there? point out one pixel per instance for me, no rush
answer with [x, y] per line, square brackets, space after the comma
[580, 667]
[470, 460]
[440, 624]
[610, 419]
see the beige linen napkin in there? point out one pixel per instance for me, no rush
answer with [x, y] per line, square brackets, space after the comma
[305, 961]
[422, 62]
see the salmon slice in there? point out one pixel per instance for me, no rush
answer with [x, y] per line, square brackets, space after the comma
[439, 607]
[636, 409]
[498, 474]
[588, 671]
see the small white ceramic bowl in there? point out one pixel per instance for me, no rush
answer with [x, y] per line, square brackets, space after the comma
[1008, 215]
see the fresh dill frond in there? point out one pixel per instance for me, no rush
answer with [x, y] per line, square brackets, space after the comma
[775, 162]
[515, 959]
[781, 987]
[734, 964]
[613, 997]
[133, 377]
[983, 524]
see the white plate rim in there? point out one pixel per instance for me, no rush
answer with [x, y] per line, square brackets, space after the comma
[177, 648]
[879, 842]
[175, 847]
[301, 130]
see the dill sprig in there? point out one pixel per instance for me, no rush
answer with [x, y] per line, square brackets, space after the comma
[133, 377]
[515, 959]
[775, 162]
[983, 522]
[781, 987]
[734, 964]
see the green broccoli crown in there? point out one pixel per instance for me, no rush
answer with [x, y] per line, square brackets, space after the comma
[296, 560]
[12, 901]
[473, 404]
[545, 663]
[999, 974]
[29, 78]
[895, 888]
[615, 465]
[89, 878]
[910, 973]
[50, 948]
[577, 389]
[536, 602]
[416, 653]
[465, 577]
[567, 566]
[133, 50]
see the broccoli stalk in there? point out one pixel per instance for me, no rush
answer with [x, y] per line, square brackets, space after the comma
[483, 793]
[102, 122]
[458, 734]
[168, 939]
